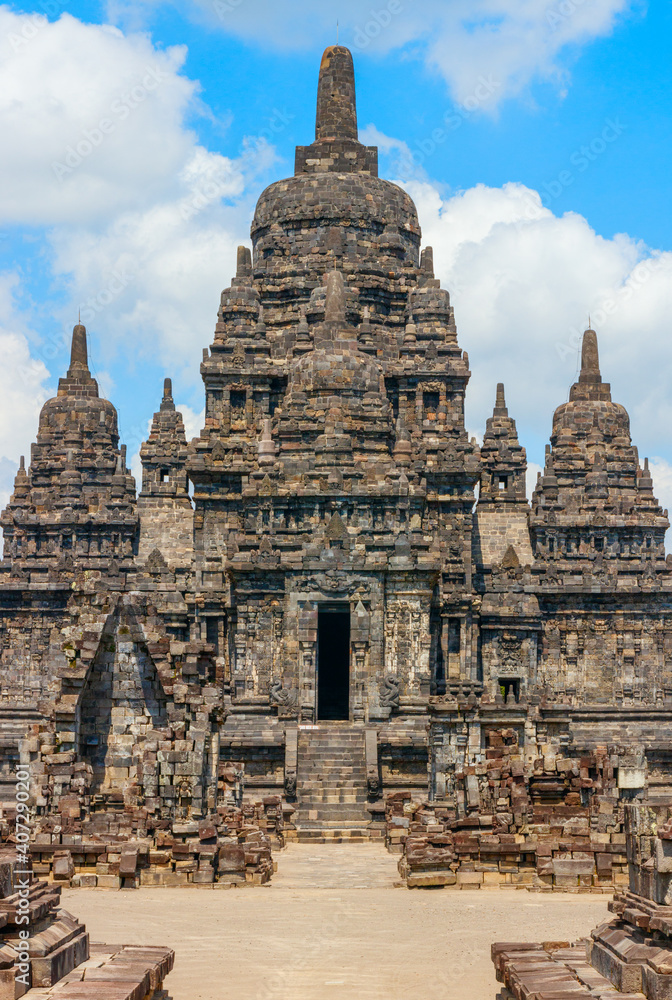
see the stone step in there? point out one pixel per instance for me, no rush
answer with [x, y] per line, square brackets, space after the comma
[339, 813]
[325, 836]
[335, 784]
[334, 781]
[329, 757]
[334, 800]
[331, 778]
[332, 788]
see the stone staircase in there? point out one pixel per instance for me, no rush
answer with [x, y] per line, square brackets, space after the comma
[331, 786]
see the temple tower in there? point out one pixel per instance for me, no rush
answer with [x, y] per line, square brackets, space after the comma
[334, 478]
[164, 507]
[74, 508]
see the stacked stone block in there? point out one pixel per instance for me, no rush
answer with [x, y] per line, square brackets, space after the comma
[45, 952]
[553, 822]
[630, 956]
[122, 850]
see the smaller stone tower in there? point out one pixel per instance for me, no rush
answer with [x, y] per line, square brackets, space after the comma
[502, 513]
[594, 509]
[74, 509]
[164, 507]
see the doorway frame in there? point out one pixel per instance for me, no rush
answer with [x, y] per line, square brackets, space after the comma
[333, 607]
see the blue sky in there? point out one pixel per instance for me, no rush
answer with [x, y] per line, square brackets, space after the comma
[535, 137]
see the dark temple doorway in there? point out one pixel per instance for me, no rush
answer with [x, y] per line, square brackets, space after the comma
[333, 663]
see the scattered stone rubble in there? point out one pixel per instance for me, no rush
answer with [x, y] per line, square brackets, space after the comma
[124, 851]
[59, 962]
[551, 822]
[628, 958]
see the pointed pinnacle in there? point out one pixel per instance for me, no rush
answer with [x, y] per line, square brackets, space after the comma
[79, 357]
[500, 402]
[336, 101]
[167, 401]
[590, 360]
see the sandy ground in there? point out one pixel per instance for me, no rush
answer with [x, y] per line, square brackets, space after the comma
[332, 924]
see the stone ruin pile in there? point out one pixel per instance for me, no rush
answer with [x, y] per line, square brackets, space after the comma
[233, 848]
[627, 958]
[60, 962]
[554, 821]
[125, 852]
[113, 840]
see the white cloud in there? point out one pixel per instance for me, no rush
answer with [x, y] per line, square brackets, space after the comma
[506, 42]
[145, 226]
[92, 121]
[523, 282]
[22, 388]
[533, 471]
[193, 422]
[150, 281]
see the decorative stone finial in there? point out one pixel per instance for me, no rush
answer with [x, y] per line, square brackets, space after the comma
[336, 100]
[266, 447]
[243, 262]
[167, 402]
[590, 360]
[303, 330]
[79, 357]
[427, 261]
[500, 403]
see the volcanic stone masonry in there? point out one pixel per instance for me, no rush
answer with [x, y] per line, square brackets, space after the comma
[59, 962]
[305, 610]
[628, 958]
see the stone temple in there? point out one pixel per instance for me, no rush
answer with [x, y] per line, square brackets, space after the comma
[332, 594]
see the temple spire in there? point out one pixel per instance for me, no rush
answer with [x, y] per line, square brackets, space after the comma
[589, 384]
[78, 353]
[500, 402]
[336, 100]
[590, 360]
[167, 402]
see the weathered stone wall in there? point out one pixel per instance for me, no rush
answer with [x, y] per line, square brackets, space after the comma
[521, 814]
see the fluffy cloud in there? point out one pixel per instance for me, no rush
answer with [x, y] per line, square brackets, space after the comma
[92, 121]
[466, 41]
[151, 279]
[144, 220]
[523, 282]
[22, 387]
[661, 471]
